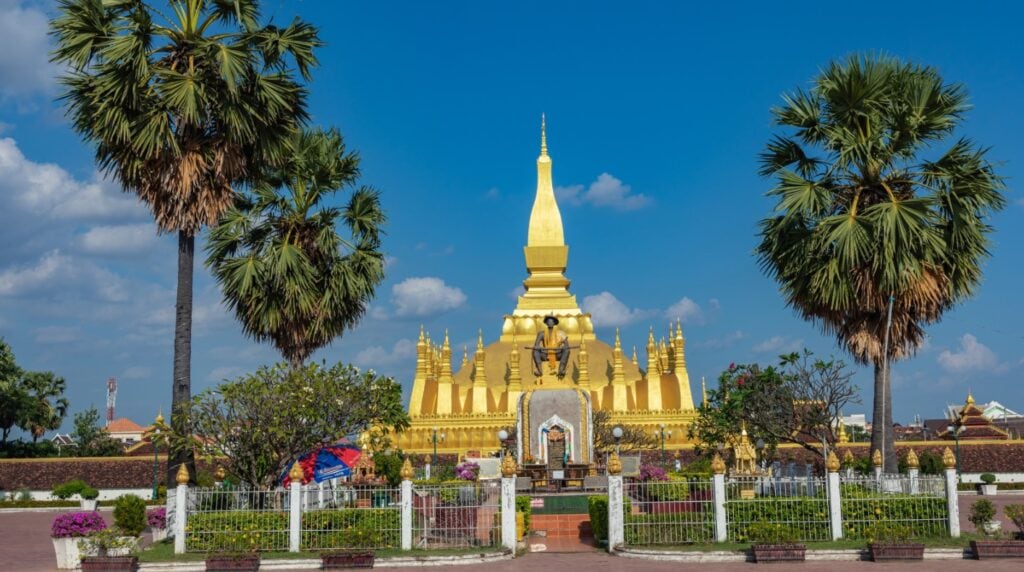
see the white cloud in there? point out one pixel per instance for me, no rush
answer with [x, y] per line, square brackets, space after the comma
[605, 191]
[56, 271]
[972, 355]
[119, 239]
[726, 341]
[425, 296]
[136, 372]
[378, 356]
[57, 334]
[688, 311]
[608, 312]
[24, 51]
[778, 344]
[492, 194]
[219, 374]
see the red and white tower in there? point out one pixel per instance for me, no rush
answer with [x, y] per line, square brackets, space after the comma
[111, 398]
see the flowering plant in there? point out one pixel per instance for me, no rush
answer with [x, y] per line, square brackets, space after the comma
[157, 518]
[77, 524]
[652, 473]
[467, 471]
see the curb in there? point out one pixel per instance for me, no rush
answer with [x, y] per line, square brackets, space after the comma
[854, 554]
[311, 564]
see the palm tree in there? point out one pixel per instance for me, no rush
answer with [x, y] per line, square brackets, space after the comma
[46, 392]
[182, 105]
[873, 215]
[283, 268]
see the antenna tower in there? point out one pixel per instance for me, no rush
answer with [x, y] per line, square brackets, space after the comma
[111, 398]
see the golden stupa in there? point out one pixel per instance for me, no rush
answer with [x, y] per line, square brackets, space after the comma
[490, 388]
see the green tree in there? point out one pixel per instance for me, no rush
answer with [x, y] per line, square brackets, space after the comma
[90, 439]
[263, 421]
[633, 438]
[871, 212]
[48, 404]
[183, 103]
[283, 268]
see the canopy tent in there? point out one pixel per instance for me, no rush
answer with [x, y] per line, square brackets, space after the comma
[325, 463]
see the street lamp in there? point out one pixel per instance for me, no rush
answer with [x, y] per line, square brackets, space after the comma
[663, 434]
[502, 437]
[156, 462]
[435, 436]
[760, 451]
[617, 433]
[956, 436]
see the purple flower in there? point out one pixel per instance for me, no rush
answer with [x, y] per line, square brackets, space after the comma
[157, 518]
[77, 524]
[652, 473]
[467, 471]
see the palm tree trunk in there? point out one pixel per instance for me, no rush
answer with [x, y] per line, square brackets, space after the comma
[882, 436]
[181, 391]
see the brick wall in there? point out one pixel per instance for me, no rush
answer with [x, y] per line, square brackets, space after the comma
[99, 472]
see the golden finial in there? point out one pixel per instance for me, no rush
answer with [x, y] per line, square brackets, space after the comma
[635, 359]
[480, 340]
[650, 339]
[843, 437]
[948, 459]
[465, 356]
[508, 466]
[679, 329]
[703, 391]
[407, 473]
[543, 136]
[832, 464]
[743, 428]
[912, 460]
[297, 475]
[446, 344]
[614, 464]
[220, 473]
[848, 458]
[618, 342]
[970, 397]
[717, 465]
[160, 417]
[422, 339]
[182, 477]
[876, 458]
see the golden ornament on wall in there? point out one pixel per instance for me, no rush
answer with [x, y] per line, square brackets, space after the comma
[614, 464]
[912, 460]
[832, 464]
[407, 472]
[948, 459]
[297, 475]
[182, 476]
[876, 458]
[508, 466]
[717, 465]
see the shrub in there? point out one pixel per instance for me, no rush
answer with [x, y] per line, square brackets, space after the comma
[157, 518]
[69, 489]
[74, 524]
[652, 473]
[130, 514]
[982, 512]
[811, 512]
[597, 507]
[467, 471]
[888, 532]
[1015, 512]
[670, 528]
[351, 528]
[988, 478]
[523, 506]
[771, 533]
[931, 463]
[89, 493]
[925, 516]
[103, 542]
[237, 531]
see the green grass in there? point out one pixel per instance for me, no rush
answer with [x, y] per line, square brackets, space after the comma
[961, 542]
[164, 552]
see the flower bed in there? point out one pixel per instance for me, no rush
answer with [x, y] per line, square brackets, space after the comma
[77, 524]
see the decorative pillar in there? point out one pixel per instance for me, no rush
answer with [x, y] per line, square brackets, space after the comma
[508, 503]
[876, 462]
[718, 494]
[180, 505]
[584, 365]
[679, 368]
[653, 374]
[447, 395]
[616, 515]
[949, 461]
[913, 470]
[407, 474]
[479, 403]
[416, 405]
[295, 513]
[835, 505]
[618, 377]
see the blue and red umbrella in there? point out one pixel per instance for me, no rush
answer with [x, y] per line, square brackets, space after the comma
[324, 463]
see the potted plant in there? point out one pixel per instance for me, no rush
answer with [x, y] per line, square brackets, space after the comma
[233, 551]
[157, 521]
[1002, 548]
[66, 531]
[775, 543]
[77, 487]
[109, 550]
[988, 484]
[888, 541]
[983, 517]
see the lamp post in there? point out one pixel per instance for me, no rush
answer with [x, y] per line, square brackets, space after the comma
[502, 437]
[156, 462]
[955, 430]
[435, 435]
[663, 434]
[760, 452]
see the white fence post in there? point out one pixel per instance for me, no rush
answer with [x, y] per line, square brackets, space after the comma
[718, 494]
[407, 475]
[951, 493]
[295, 513]
[835, 503]
[508, 503]
[616, 516]
[180, 506]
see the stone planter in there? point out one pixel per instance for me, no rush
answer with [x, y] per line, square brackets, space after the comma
[68, 556]
[346, 559]
[984, 549]
[110, 564]
[779, 552]
[884, 551]
[992, 527]
[238, 563]
[159, 534]
[988, 490]
[88, 505]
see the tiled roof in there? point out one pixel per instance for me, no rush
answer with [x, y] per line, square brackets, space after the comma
[124, 425]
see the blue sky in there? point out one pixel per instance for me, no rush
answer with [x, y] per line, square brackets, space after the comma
[656, 113]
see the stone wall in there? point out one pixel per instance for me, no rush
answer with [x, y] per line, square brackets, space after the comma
[99, 472]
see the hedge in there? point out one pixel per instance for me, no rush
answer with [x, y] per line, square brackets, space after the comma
[237, 530]
[808, 515]
[923, 516]
[352, 528]
[669, 528]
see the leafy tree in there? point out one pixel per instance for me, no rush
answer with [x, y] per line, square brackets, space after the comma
[263, 421]
[48, 404]
[872, 214]
[90, 439]
[183, 103]
[13, 398]
[633, 438]
[283, 268]
[796, 402]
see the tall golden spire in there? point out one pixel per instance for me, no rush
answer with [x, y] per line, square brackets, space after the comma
[480, 376]
[543, 136]
[545, 218]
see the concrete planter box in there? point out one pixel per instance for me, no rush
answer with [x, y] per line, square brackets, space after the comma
[110, 564]
[988, 490]
[159, 534]
[346, 559]
[223, 563]
[68, 557]
[885, 551]
[88, 505]
[779, 552]
[984, 549]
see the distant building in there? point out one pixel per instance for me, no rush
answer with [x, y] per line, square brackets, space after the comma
[125, 430]
[856, 420]
[971, 424]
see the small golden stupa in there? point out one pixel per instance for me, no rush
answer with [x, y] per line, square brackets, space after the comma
[496, 387]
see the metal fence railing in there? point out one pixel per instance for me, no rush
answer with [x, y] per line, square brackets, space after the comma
[790, 509]
[456, 515]
[237, 519]
[353, 517]
[669, 512]
[894, 507]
